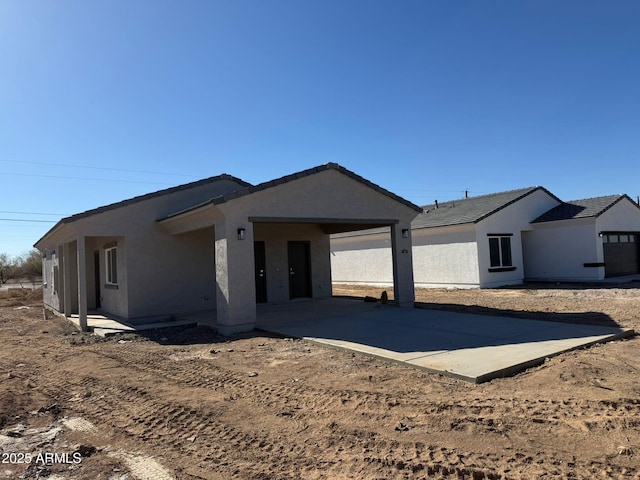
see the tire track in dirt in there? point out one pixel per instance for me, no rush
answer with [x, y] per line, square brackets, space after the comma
[200, 373]
[143, 416]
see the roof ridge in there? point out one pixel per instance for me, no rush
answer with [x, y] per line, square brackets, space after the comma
[444, 202]
[615, 195]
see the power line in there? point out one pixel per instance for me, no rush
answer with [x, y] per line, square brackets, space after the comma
[23, 220]
[84, 178]
[91, 167]
[34, 213]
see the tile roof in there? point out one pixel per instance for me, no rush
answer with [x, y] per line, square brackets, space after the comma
[147, 196]
[585, 208]
[288, 178]
[245, 188]
[470, 210]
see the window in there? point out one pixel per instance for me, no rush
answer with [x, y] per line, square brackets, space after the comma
[500, 251]
[111, 255]
[55, 278]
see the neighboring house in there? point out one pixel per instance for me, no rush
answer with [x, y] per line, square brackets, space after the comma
[218, 244]
[584, 240]
[501, 239]
[467, 243]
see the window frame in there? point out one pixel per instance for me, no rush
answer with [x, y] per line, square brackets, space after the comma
[111, 265]
[500, 252]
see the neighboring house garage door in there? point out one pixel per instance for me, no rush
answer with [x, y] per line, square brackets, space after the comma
[620, 254]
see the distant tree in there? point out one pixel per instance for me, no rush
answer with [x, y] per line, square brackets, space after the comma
[8, 268]
[30, 265]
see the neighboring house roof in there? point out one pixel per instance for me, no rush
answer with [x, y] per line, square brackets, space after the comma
[471, 210]
[585, 208]
[458, 212]
[288, 178]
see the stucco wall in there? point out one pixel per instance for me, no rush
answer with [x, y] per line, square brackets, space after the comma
[158, 273]
[276, 237]
[172, 274]
[452, 256]
[362, 260]
[445, 257]
[559, 250]
[327, 194]
[441, 257]
[513, 219]
[624, 216]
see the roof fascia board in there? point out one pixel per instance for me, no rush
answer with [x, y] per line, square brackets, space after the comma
[383, 222]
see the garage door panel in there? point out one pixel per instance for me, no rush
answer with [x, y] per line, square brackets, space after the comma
[620, 254]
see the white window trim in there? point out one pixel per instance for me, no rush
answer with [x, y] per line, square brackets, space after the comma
[501, 265]
[111, 251]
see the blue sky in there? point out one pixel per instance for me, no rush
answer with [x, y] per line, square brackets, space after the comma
[104, 100]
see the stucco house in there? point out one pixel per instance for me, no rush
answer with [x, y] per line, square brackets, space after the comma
[219, 244]
[584, 240]
[502, 239]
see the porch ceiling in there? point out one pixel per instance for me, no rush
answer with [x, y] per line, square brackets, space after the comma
[330, 225]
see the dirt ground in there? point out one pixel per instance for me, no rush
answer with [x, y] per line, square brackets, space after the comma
[187, 404]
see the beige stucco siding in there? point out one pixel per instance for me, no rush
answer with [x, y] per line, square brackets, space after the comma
[158, 273]
[327, 194]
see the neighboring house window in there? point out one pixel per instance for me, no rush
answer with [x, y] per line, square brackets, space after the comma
[500, 251]
[55, 279]
[111, 255]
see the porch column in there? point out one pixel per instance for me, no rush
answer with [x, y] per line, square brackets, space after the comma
[66, 280]
[403, 287]
[235, 277]
[82, 283]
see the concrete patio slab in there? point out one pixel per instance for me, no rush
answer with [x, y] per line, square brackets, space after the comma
[475, 348]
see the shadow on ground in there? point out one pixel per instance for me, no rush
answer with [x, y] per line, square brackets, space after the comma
[583, 318]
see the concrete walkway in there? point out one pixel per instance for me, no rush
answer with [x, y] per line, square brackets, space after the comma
[104, 326]
[475, 348]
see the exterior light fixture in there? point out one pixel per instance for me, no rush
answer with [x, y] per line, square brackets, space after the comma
[405, 233]
[242, 234]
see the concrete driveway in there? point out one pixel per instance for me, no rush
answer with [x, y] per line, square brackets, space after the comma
[475, 348]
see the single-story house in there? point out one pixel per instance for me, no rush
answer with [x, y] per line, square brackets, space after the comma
[501, 239]
[219, 244]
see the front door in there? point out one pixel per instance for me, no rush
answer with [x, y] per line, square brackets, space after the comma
[260, 260]
[299, 270]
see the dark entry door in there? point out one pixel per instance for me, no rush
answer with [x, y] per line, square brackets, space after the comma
[96, 268]
[299, 270]
[261, 271]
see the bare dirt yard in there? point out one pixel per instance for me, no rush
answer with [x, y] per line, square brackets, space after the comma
[187, 404]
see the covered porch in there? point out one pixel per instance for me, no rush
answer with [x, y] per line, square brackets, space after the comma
[271, 241]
